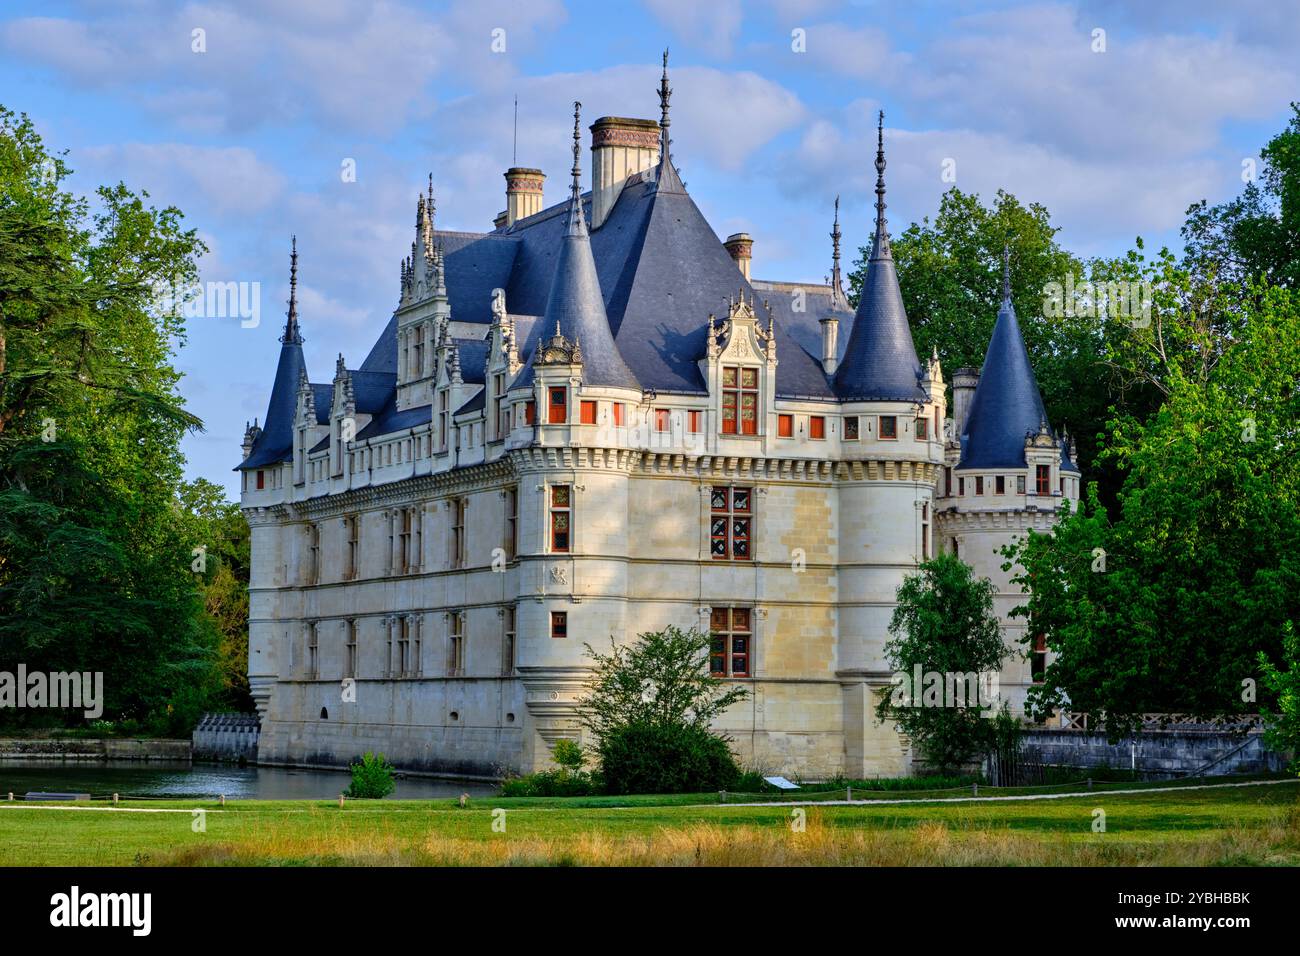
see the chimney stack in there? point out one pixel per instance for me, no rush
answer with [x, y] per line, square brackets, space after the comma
[741, 248]
[964, 381]
[620, 148]
[523, 193]
[830, 344]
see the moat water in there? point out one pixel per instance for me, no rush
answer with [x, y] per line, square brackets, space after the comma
[134, 778]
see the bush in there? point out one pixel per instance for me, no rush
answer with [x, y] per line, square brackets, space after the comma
[551, 783]
[372, 779]
[659, 758]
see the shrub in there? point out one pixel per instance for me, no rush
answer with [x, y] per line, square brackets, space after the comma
[372, 778]
[551, 783]
[666, 758]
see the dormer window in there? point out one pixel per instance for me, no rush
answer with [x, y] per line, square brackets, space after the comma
[1044, 475]
[739, 400]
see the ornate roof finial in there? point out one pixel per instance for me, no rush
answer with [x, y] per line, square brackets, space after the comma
[835, 248]
[1006, 273]
[880, 249]
[665, 92]
[577, 222]
[292, 334]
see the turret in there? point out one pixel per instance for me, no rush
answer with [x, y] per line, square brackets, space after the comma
[880, 363]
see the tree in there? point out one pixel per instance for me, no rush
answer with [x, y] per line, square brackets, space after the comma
[1167, 606]
[660, 680]
[95, 557]
[1284, 730]
[943, 625]
[651, 705]
[1255, 236]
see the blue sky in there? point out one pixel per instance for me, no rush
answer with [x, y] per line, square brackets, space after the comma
[249, 137]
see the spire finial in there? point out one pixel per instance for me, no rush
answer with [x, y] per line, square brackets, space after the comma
[292, 334]
[430, 206]
[835, 247]
[577, 222]
[1006, 273]
[664, 93]
[880, 249]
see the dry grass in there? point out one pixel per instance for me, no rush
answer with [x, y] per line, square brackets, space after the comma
[1275, 839]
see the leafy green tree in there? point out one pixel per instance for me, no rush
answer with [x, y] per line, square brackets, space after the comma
[662, 679]
[651, 704]
[1255, 236]
[1166, 606]
[943, 624]
[95, 555]
[1284, 729]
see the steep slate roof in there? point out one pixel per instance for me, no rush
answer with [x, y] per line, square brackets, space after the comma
[1007, 405]
[661, 271]
[880, 360]
[275, 443]
[575, 307]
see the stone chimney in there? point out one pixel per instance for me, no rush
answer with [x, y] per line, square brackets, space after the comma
[741, 248]
[619, 148]
[830, 343]
[964, 381]
[523, 193]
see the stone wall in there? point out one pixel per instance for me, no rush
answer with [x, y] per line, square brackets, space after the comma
[1158, 753]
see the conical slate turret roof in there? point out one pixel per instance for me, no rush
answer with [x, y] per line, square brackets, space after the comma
[275, 443]
[575, 306]
[880, 361]
[1007, 405]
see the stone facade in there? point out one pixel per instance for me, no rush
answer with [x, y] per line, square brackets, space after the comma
[438, 534]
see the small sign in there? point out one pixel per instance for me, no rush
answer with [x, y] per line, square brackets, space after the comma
[781, 783]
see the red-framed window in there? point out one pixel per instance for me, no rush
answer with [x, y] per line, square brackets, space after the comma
[530, 412]
[785, 426]
[816, 427]
[587, 412]
[561, 518]
[1044, 482]
[731, 648]
[261, 479]
[1000, 484]
[961, 487]
[620, 414]
[557, 406]
[922, 429]
[979, 484]
[663, 420]
[559, 624]
[731, 523]
[739, 400]
[1038, 659]
[889, 427]
[695, 422]
[851, 428]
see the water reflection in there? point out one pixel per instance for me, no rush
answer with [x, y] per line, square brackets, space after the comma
[132, 778]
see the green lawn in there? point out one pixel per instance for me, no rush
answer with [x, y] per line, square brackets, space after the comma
[1164, 825]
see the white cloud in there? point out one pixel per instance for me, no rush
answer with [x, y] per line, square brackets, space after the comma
[228, 180]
